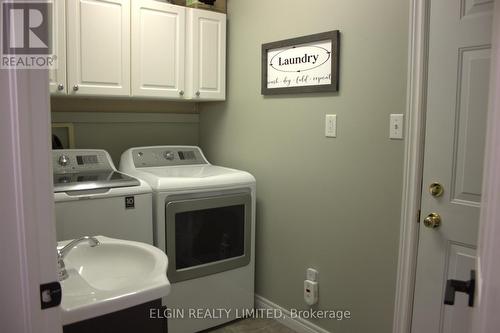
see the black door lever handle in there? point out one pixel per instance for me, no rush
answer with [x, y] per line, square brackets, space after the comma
[467, 287]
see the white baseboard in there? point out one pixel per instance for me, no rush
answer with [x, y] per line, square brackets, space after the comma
[299, 325]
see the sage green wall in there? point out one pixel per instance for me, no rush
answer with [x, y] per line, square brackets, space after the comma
[118, 124]
[328, 203]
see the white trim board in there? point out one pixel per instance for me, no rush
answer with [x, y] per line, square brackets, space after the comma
[103, 104]
[125, 117]
[413, 163]
[299, 325]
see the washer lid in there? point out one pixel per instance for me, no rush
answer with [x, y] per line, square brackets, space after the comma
[84, 181]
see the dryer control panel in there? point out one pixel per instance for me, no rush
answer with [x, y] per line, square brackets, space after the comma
[167, 156]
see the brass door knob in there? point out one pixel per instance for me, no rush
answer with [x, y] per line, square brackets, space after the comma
[436, 190]
[433, 221]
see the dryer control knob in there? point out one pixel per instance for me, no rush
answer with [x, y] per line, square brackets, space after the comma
[169, 155]
[63, 160]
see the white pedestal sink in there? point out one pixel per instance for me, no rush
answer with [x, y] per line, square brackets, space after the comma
[113, 276]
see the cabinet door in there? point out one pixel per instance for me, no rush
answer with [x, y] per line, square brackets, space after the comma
[206, 33]
[158, 49]
[57, 76]
[98, 47]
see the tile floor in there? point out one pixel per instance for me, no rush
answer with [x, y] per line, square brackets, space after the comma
[252, 325]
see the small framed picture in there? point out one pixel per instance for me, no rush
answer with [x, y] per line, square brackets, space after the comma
[301, 65]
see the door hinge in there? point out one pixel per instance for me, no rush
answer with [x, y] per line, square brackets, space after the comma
[50, 295]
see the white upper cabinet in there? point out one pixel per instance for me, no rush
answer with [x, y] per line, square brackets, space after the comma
[98, 61]
[206, 50]
[57, 77]
[158, 49]
[141, 48]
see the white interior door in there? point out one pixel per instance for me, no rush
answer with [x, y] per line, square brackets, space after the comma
[158, 49]
[457, 98]
[28, 256]
[98, 47]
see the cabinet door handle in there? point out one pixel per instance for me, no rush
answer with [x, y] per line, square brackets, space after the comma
[75, 87]
[60, 87]
[198, 93]
[181, 92]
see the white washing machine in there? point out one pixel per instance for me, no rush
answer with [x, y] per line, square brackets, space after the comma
[93, 198]
[204, 219]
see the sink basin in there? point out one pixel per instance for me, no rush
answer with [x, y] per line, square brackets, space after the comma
[111, 266]
[110, 277]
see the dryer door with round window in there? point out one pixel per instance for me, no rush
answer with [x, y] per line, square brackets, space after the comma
[207, 235]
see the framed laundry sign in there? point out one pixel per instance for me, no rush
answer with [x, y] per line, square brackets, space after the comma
[301, 65]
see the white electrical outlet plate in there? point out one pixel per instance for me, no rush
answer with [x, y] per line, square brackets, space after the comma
[331, 126]
[311, 292]
[312, 274]
[396, 127]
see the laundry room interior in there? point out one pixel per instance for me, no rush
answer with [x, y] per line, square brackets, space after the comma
[194, 191]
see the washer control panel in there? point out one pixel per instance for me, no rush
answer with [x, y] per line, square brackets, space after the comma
[167, 156]
[79, 160]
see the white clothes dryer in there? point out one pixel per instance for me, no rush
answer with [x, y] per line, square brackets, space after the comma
[204, 219]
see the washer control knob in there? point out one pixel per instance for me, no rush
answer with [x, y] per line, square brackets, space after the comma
[63, 160]
[169, 155]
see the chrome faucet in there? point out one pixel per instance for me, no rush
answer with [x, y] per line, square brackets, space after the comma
[63, 252]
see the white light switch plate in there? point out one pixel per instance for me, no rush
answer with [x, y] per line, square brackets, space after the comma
[396, 127]
[331, 126]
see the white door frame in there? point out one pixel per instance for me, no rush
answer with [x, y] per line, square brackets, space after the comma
[27, 228]
[486, 317]
[413, 166]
